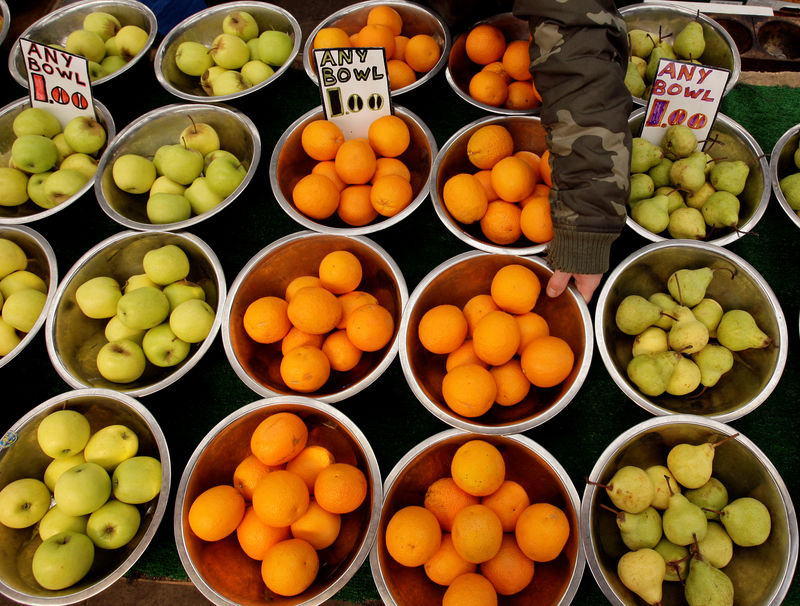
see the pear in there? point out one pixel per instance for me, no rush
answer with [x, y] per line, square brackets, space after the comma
[631, 489]
[711, 497]
[642, 571]
[737, 330]
[642, 187]
[676, 557]
[685, 379]
[651, 213]
[688, 286]
[679, 141]
[713, 361]
[635, 313]
[640, 63]
[716, 548]
[688, 334]
[687, 223]
[652, 340]
[698, 198]
[660, 173]
[683, 522]
[664, 484]
[644, 155]
[638, 530]
[687, 173]
[790, 187]
[651, 372]
[634, 81]
[747, 521]
[667, 305]
[691, 464]
[663, 50]
[709, 312]
[703, 159]
[641, 43]
[674, 197]
[730, 176]
[721, 209]
[689, 43]
[707, 585]
[796, 157]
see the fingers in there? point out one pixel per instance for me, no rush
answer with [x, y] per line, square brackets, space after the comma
[558, 283]
[587, 283]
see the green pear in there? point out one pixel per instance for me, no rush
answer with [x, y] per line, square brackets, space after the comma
[707, 585]
[729, 175]
[674, 198]
[688, 286]
[713, 361]
[640, 530]
[642, 187]
[676, 558]
[642, 571]
[634, 81]
[711, 497]
[685, 379]
[690, 43]
[683, 522]
[698, 198]
[651, 372]
[635, 313]
[687, 173]
[644, 155]
[747, 521]
[664, 484]
[790, 187]
[716, 548]
[709, 312]
[721, 209]
[652, 340]
[630, 489]
[660, 173]
[679, 141]
[651, 213]
[659, 52]
[737, 330]
[688, 334]
[641, 43]
[687, 223]
[667, 305]
[691, 464]
[641, 66]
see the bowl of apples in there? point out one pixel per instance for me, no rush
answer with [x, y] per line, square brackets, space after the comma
[113, 35]
[84, 484]
[136, 312]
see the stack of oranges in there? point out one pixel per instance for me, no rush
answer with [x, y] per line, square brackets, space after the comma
[285, 503]
[497, 347]
[406, 57]
[477, 533]
[323, 323]
[509, 194]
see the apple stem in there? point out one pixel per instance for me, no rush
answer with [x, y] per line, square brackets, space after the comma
[194, 125]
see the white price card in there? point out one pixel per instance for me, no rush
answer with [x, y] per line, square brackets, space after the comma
[354, 86]
[58, 81]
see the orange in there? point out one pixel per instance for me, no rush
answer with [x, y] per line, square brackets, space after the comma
[377, 35]
[464, 355]
[309, 462]
[391, 166]
[476, 308]
[305, 368]
[520, 96]
[400, 43]
[469, 390]
[485, 178]
[489, 88]
[536, 221]
[290, 567]
[510, 571]
[536, 93]
[255, 538]
[413, 536]
[315, 196]
[485, 44]
[296, 338]
[340, 488]
[265, 320]
[488, 145]
[422, 53]
[531, 326]
[314, 310]
[317, 526]
[515, 289]
[531, 159]
[497, 67]
[340, 271]
[512, 384]
[444, 499]
[354, 39]
[278, 438]
[517, 59]
[355, 207]
[280, 498]
[478, 468]
[442, 329]
[508, 502]
[501, 222]
[248, 474]
[496, 338]
[545, 169]
[390, 194]
[547, 361]
[298, 283]
[470, 589]
[331, 37]
[445, 565]
[370, 327]
[327, 168]
[355, 162]
[386, 15]
[513, 179]
[389, 136]
[400, 74]
[341, 353]
[351, 301]
[542, 531]
[464, 198]
[321, 139]
[477, 533]
[216, 512]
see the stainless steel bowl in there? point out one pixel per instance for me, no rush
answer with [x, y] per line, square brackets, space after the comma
[221, 570]
[55, 26]
[73, 339]
[270, 271]
[5, 15]
[42, 262]
[527, 463]
[417, 19]
[721, 51]
[29, 211]
[761, 575]
[206, 25]
[162, 126]
[528, 134]
[21, 457]
[756, 372]
[733, 142]
[456, 281]
[289, 163]
[781, 164]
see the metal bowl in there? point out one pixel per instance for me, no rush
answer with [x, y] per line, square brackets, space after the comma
[289, 164]
[21, 457]
[270, 271]
[528, 134]
[206, 25]
[544, 479]
[721, 51]
[781, 164]
[42, 262]
[73, 339]
[733, 143]
[417, 19]
[761, 575]
[460, 68]
[55, 26]
[456, 281]
[5, 15]
[162, 126]
[29, 211]
[756, 372]
[221, 570]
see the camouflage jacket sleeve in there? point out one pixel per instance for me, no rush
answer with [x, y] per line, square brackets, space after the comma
[579, 54]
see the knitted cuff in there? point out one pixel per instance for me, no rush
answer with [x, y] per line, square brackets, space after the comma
[580, 252]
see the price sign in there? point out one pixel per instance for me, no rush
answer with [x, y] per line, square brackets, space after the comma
[58, 81]
[684, 93]
[354, 85]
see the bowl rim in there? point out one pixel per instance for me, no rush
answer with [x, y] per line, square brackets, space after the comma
[53, 17]
[6, 15]
[52, 264]
[587, 529]
[774, 158]
[277, 403]
[158, 514]
[752, 272]
[523, 440]
[195, 18]
[372, 227]
[472, 426]
[130, 132]
[761, 206]
[352, 8]
[191, 362]
[368, 379]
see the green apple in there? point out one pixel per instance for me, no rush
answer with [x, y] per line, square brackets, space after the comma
[34, 153]
[8, 336]
[165, 185]
[63, 147]
[111, 445]
[83, 163]
[13, 187]
[98, 297]
[167, 208]
[179, 163]
[58, 466]
[116, 330]
[183, 290]
[23, 502]
[23, 308]
[193, 58]
[166, 264]
[131, 39]
[22, 279]
[201, 197]
[240, 23]
[221, 153]
[85, 134]
[103, 24]
[112, 48]
[192, 320]
[63, 184]
[12, 257]
[82, 489]
[86, 44]
[113, 63]
[252, 44]
[223, 177]
[35, 121]
[137, 480]
[113, 525]
[274, 47]
[63, 433]
[256, 71]
[133, 173]
[143, 308]
[62, 560]
[207, 78]
[96, 71]
[36, 191]
[121, 361]
[137, 281]
[229, 51]
[162, 348]
[55, 521]
[228, 83]
[201, 137]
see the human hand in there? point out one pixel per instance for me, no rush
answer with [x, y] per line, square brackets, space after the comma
[585, 283]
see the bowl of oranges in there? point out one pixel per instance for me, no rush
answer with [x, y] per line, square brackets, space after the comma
[314, 314]
[484, 352]
[489, 64]
[278, 504]
[354, 185]
[494, 518]
[415, 39]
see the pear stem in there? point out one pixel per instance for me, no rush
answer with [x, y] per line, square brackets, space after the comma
[731, 437]
[719, 513]
[678, 285]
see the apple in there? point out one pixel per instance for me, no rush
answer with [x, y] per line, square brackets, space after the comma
[23, 502]
[21, 279]
[62, 560]
[83, 163]
[143, 308]
[34, 153]
[162, 348]
[63, 184]
[58, 466]
[131, 39]
[121, 361]
[82, 489]
[201, 197]
[137, 480]
[36, 191]
[166, 264]
[240, 23]
[113, 525]
[201, 137]
[256, 71]
[183, 290]
[13, 187]
[96, 71]
[23, 308]
[8, 336]
[223, 177]
[111, 445]
[98, 297]
[137, 281]
[35, 121]
[133, 173]
[193, 58]
[12, 257]
[228, 83]
[55, 521]
[112, 48]
[86, 44]
[192, 320]
[221, 153]
[229, 51]
[85, 134]
[113, 63]
[165, 185]
[63, 433]
[252, 44]
[207, 78]
[179, 163]
[274, 47]
[116, 330]
[103, 24]
[63, 147]
[167, 208]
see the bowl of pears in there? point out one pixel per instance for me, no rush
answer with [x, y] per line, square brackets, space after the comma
[685, 510]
